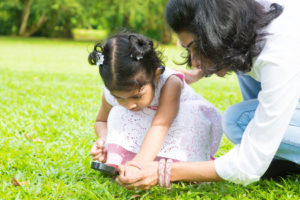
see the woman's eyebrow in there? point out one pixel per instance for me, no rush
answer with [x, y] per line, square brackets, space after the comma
[190, 44]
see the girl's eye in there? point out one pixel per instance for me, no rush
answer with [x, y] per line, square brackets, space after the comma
[119, 99]
[136, 97]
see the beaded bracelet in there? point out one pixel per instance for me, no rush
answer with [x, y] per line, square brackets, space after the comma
[168, 173]
[161, 171]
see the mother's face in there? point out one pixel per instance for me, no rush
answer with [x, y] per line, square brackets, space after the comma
[187, 40]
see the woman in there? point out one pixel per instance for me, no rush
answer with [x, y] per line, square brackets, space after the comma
[259, 41]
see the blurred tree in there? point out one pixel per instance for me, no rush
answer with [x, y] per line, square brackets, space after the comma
[142, 16]
[42, 17]
[9, 16]
[57, 18]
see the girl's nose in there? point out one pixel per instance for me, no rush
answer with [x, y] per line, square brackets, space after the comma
[131, 106]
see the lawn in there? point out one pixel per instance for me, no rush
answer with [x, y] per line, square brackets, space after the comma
[49, 97]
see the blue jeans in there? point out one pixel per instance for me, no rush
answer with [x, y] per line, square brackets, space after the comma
[237, 117]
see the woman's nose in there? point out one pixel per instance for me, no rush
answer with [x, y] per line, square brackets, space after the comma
[195, 61]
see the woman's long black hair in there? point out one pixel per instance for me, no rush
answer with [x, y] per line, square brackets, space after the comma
[229, 33]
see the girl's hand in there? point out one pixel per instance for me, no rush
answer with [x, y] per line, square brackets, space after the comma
[98, 151]
[143, 178]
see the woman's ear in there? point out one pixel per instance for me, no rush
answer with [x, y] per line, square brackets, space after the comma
[157, 74]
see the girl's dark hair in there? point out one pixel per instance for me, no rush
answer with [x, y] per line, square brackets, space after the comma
[130, 61]
[228, 33]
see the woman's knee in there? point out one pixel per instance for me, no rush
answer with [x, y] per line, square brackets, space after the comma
[231, 130]
[236, 118]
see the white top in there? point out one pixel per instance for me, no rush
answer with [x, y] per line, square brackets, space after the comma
[194, 135]
[278, 70]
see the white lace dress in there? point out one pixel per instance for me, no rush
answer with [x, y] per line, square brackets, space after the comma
[194, 135]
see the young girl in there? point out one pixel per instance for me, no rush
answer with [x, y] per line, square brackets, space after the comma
[148, 111]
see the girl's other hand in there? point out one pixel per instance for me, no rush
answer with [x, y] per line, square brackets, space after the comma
[98, 151]
[143, 178]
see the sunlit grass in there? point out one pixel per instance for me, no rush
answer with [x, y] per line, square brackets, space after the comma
[48, 91]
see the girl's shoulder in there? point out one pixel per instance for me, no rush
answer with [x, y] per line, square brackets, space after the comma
[166, 75]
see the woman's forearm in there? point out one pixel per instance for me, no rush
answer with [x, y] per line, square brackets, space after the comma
[194, 171]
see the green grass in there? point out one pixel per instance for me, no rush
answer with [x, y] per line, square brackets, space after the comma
[48, 91]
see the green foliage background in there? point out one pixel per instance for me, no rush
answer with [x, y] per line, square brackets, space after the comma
[60, 17]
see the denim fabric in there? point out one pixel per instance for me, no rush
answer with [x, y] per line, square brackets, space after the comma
[237, 117]
[249, 87]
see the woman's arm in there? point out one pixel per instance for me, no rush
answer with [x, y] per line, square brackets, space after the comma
[181, 171]
[195, 171]
[166, 112]
[249, 160]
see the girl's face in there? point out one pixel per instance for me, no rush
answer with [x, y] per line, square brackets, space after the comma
[187, 40]
[135, 100]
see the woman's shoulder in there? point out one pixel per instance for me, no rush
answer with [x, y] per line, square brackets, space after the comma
[281, 45]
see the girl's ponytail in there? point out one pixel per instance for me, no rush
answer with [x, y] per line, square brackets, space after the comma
[95, 55]
[139, 46]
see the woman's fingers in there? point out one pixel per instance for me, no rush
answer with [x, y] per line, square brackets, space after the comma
[143, 184]
[126, 176]
[145, 178]
[146, 182]
[121, 169]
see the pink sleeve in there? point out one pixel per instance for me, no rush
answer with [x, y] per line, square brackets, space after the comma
[181, 76]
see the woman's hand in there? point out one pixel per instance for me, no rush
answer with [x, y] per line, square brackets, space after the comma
[98, 151]
[143, 177]
[191, 75]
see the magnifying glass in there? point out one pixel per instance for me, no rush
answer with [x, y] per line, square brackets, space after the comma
[104, 168]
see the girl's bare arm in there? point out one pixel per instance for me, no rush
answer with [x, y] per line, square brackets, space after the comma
[101, 119]
[166, 113]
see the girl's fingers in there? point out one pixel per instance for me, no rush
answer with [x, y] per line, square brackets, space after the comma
[95, 152]
[97, 157]
[102, 158]
[100, 143]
